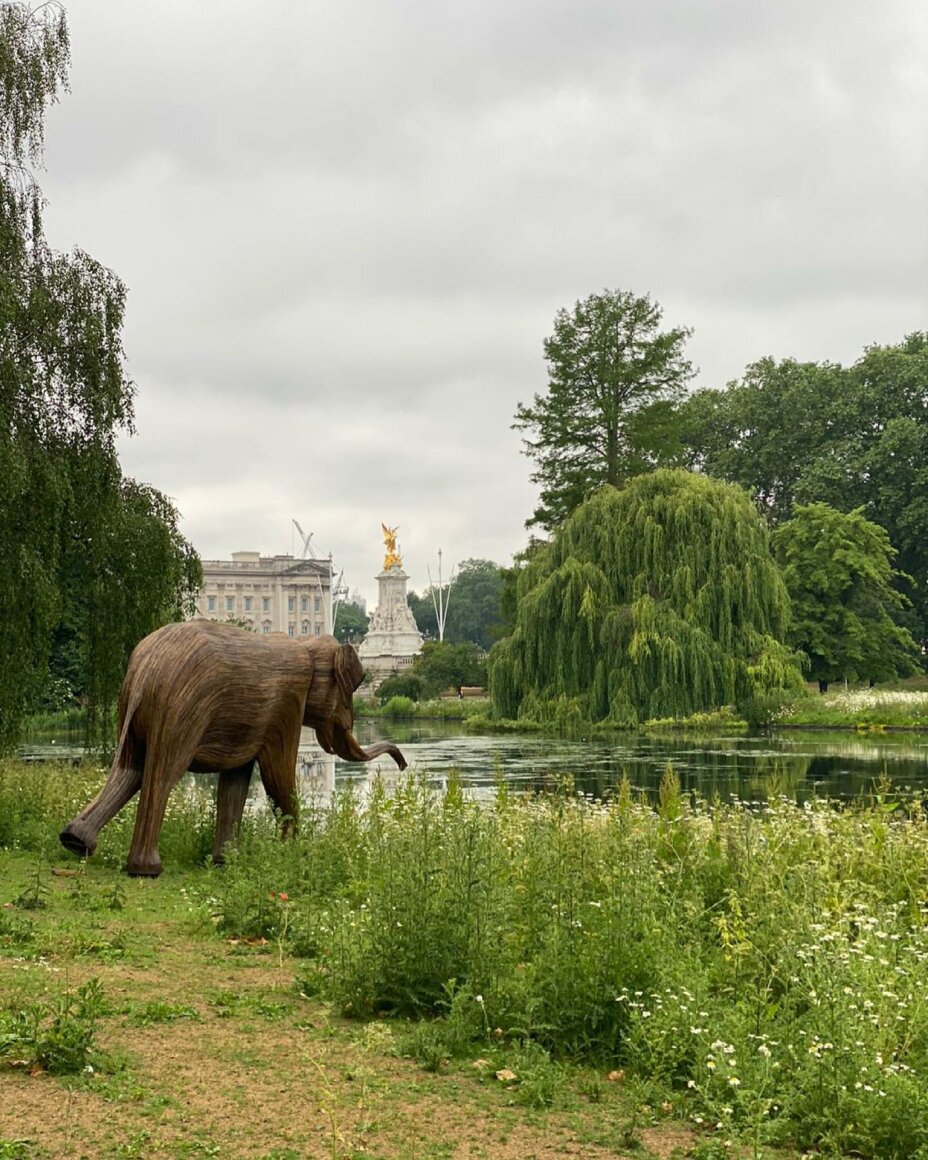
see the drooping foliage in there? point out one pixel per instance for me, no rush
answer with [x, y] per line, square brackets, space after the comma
[91, 560]
[839, 574]
[657, 600]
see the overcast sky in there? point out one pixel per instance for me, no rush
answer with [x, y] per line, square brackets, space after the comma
[346, 226]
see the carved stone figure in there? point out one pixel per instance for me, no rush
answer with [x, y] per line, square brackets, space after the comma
[206, 697]
[392, 559]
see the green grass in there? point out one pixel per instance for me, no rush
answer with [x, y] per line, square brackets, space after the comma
[762, 968]
[905, 708]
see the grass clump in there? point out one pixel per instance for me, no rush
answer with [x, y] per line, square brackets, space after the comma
[57, 1035]
[872, 708]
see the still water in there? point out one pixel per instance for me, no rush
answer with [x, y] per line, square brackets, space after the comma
[798, 764]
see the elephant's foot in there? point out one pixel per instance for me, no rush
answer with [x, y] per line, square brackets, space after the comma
[142, 865]
[79, 837]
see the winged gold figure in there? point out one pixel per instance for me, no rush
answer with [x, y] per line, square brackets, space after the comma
[392, 559]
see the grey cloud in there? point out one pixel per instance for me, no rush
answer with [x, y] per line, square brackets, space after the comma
[346, 227]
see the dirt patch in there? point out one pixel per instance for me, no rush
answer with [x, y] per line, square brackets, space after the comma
[257, 1071]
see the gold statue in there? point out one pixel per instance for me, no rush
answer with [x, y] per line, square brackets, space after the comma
[392, 559]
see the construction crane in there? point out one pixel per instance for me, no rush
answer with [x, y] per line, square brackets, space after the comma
[338, 589]
[307, 553]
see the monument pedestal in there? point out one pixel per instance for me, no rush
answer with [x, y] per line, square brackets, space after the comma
[393, 640]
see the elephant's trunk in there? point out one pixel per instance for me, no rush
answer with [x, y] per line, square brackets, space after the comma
[343, 743]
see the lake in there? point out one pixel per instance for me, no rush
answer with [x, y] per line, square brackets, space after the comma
[798, 764]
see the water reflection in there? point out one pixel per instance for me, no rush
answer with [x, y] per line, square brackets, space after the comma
[799, 765]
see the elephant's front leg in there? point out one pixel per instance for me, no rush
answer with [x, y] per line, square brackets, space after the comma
[231, 793]
[278, 773]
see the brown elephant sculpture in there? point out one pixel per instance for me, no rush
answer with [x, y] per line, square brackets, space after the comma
[207, 697]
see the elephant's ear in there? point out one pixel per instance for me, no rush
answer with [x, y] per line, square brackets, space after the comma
[348, 671]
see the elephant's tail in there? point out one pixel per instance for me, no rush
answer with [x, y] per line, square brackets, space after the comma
[132, 703]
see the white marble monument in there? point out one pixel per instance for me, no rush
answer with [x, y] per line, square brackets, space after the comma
[393, 640]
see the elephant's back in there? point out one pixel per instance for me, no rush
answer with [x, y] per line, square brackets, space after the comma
[193, 666]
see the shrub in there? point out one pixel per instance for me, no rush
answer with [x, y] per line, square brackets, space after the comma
[401, 685]
[399, 707]
[59, 1034]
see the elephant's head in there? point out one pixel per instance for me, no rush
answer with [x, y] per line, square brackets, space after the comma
[329, 710]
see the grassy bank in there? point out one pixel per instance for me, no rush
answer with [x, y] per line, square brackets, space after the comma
[864, 709]
[437, 709]
[749, 974]
[861, 708]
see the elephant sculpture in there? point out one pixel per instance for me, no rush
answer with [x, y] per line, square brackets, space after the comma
[208, 697]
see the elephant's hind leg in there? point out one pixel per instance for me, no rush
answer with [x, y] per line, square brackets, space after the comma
[124, 781]
[231, 792]
[162, 773]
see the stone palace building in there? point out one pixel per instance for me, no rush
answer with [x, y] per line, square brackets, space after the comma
[268, 593]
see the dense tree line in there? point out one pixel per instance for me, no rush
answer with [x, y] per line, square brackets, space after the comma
[835, 460]
[91, 560]
[851, 437]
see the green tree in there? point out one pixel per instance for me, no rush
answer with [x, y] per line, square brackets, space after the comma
[90, 559]
[351, 623]
[855, 437]
[423, 610]
[659, 599]
[442, 665]
[608, 414]
[839, 574]
[474, 607]
[766, 431]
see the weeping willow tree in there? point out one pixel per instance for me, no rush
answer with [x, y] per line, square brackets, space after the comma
[90, 561]
[657, 600]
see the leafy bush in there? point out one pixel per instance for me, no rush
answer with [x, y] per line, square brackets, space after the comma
[402, 685]
[399, 707]
[58, 1035]
[761, 709]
